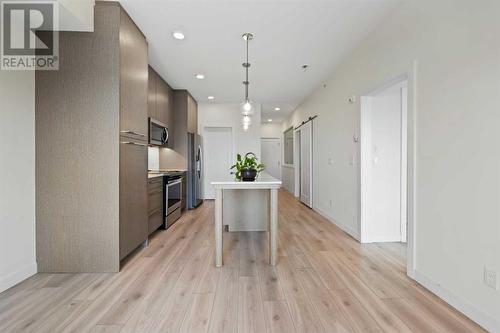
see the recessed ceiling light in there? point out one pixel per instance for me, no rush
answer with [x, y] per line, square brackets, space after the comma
[277, 109]
[199, 76]
[211, 97]
[269, 120]
[178, 35]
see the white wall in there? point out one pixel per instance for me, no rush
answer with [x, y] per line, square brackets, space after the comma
[456, 46]
[271, 130]
[288, 178]
[76, 15]
[17, 172]
[229, 115]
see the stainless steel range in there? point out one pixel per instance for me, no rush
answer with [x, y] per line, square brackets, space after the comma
[173, 198]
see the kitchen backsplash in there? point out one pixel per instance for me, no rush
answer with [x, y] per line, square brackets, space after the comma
[153, 158]
[171, 159]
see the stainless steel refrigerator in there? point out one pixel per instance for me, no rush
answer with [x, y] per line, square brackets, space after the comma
[195, 171]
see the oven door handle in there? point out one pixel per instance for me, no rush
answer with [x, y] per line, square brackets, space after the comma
[174, 183]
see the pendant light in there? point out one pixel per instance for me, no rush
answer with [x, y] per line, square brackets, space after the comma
[247, 107]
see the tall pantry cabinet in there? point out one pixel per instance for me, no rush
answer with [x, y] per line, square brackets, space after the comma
[91, 147]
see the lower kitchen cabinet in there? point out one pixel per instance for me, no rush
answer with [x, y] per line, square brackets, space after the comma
[133, 195]
[155, 204]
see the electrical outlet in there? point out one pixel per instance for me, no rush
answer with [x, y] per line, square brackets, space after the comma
[330, 161]
[490, 278]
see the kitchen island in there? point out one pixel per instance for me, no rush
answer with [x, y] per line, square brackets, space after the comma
[248, 198]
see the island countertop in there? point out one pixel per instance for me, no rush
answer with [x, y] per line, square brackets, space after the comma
[263, 181]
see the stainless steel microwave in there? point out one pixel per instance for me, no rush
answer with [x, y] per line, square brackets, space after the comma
[158, 133]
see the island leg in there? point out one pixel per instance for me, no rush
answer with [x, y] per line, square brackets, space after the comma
[218, 227]
[273, 228]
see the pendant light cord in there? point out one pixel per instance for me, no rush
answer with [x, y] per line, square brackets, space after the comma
[246, 67]
[248, 37]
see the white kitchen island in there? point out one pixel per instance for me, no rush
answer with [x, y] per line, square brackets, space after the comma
[258, 200]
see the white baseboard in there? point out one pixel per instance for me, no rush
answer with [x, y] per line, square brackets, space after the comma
[14, 278]
[353, 233]
[384, 239]
[486, 321]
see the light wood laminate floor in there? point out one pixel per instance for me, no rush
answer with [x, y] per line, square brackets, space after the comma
[324, 282]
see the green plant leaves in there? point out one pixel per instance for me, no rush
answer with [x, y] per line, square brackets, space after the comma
[249, 162]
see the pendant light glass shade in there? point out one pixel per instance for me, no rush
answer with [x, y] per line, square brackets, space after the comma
[247, 108]
[246, 121]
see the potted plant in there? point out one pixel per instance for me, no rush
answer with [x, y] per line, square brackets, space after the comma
[247, 168]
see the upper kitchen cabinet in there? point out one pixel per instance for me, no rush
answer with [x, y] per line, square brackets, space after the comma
[192, 113]
[165, 102]
[186, 112]
[91, 147]
[185, 121]
[152, 79]
[133, 78]
[160, 102]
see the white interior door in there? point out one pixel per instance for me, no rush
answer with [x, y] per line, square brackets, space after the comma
[306, 164]
[383, 166]
[271, 156]
[218, 155]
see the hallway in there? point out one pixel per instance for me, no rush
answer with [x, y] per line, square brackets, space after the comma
[324, 282]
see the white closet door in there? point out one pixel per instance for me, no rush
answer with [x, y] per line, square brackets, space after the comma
[271, 156]
[306, 163]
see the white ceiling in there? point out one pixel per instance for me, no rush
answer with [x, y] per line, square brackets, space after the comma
[287, 34]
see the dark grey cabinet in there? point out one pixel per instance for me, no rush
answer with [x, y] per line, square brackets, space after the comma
[133, 79]
[152, 79]
[161, 102]
[192, 111]
[185, 121]
[155, 203]
[133, 195]
[133, 140]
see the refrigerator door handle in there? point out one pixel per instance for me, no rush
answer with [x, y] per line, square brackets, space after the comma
[198, 162]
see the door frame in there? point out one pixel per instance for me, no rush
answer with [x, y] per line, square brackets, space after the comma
[280, 163]
[410, 77]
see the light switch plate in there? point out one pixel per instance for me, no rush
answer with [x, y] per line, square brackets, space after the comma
[490, 278]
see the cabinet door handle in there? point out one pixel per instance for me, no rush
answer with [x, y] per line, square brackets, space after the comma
[134, 133]
[134, 143]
